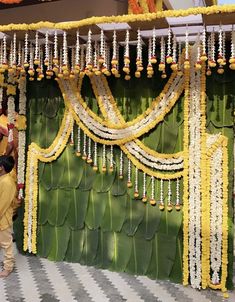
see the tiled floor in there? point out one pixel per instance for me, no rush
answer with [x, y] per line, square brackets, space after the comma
[35, 279]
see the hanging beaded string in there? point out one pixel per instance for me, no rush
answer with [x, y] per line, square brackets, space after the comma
[49, 71]
[4, 63]
[55, 53]
[220, 58]
[208, 71]
[78, 153]
[126, 67]
[95, 60]
[102, 48]
[14, 52]
[121, 165]
[95, 166]
[26, 50]
[60, 73]
[1, 77]
[72, 73]
[10, 70]
[186, 61]
[203, 57]
[136, 192]
[46, 59]
[198, 64]
[212, 62]
[89, 159]
[88, 67]
[71, 142]
[179, 59]
[174, 65]
[232, 54]
[129, 183]
[84, 155]
[168, 56]
[31, 66]
[39, 68]
[153, 54]
[144, 196]
[169, 203]
[111, 159]
[36, 50]
[114, 60]
[162, 64]
[104, 65]
[150, 71]
[177, 204]
[117, 74]
[77, 54]
[161, 203]
[65, 55]
[139, 63]
[104, 159]
[82, 58]
[224, 49]
[1, 54]
[152, 199]
[107, 60]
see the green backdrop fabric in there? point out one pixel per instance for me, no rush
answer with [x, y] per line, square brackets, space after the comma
[92, 217]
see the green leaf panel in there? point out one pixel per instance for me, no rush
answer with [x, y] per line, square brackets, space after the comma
[90, 246]
[105, 249]
[115, 213]
[44, 239]
[122, 252]
[75, 246]
[134, 216]
[87, 178]
[96, 208]
[59, 243]
[140, 256]
[78, 209]
[58, 206]
[73, 170]
[150, 223]
[163, 256]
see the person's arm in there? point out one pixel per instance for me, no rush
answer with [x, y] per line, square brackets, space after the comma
[7, 194]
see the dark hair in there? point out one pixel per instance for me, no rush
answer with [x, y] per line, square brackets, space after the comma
[7, 162]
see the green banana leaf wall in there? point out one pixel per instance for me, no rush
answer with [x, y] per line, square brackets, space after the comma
[91, 217]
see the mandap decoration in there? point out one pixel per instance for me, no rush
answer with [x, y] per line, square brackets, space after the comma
[192, 182]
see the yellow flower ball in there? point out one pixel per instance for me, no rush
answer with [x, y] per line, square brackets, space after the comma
[220, 70]
[127, 77]
[174, 66]
[136, 194]
[126, 60]
[95, 168]
[153, 60]
[120, 176]
[211, 63]
[161, 207]
[203, 57]
[98, 72]
[89, 161]
[208, 72]
[111, 169]
[232, 60]
[220, 60]
[161, 66]
[78, 154]
[152, 202]
[169, 207]
[55, 61]
[232, 66]
[169, 59]
[126, 69]
[177, 207]
[163, 76]
[198, 66]
[144, 199]
[101, 60]
[137, 74]
[114, 62]
[36, 62]
[117, 75]
[129, 184]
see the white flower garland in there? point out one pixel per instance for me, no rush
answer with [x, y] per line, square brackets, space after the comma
[216, 204]
[195, 175]
[21, 139]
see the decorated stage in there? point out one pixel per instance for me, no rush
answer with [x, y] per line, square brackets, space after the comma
[125, 143]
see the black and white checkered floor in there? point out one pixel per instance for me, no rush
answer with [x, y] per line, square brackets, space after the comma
[35, 279]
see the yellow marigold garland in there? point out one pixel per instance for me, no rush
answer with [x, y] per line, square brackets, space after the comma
[186, 181]
[215, 9]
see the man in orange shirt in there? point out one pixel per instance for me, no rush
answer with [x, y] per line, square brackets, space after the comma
[7, 205]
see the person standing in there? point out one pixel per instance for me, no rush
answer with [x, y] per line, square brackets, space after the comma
[8, 203]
